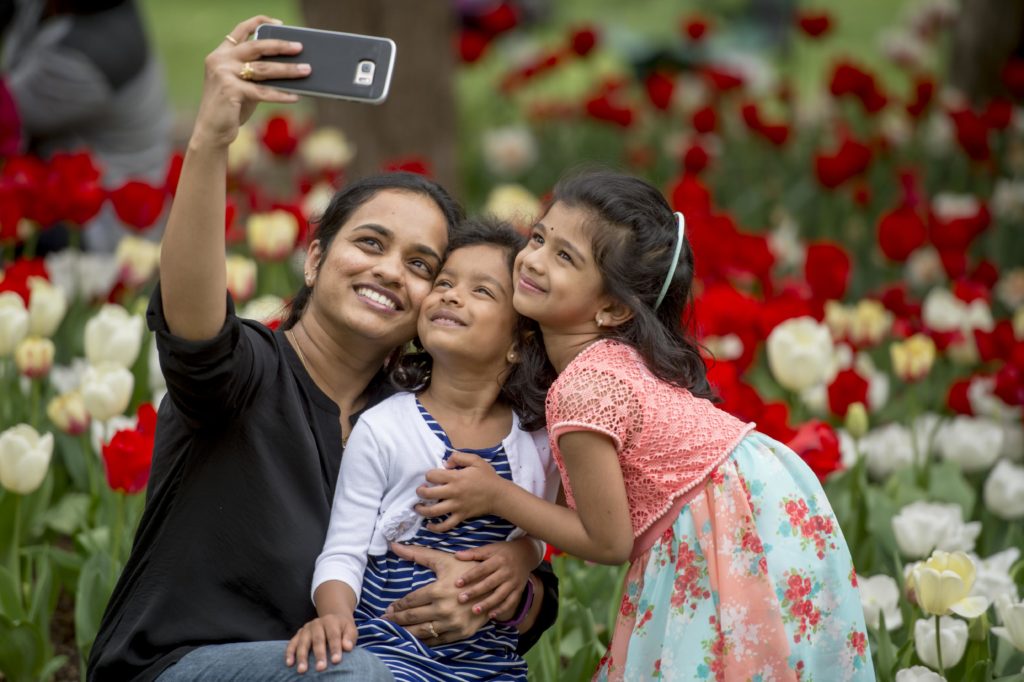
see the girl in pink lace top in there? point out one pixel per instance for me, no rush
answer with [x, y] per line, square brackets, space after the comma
[739, 570]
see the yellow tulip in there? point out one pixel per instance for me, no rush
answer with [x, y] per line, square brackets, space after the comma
[913, 358]
[943, 585]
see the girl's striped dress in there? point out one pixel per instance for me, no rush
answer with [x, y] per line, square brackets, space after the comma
[490, 654]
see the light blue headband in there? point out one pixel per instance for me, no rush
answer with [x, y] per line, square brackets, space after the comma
[681, 221]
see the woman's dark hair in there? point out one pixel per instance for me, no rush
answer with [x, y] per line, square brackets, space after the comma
[634, 233]
[347, 201]
[526, 384]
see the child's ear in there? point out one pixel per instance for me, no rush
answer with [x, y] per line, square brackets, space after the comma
[614, 313]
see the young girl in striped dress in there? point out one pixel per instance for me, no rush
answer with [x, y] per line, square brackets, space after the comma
[469, 393]
[739, 570]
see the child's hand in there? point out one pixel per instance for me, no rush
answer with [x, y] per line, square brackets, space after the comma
[464, 493]
[336, 631]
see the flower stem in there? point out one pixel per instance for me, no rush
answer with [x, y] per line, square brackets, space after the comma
[15, 558]
[115, 543]
[37, 387]
[90, 463]
[938, 648]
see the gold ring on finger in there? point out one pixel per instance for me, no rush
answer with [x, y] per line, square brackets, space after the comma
[247, 72]
[433, 632]
[231, 39]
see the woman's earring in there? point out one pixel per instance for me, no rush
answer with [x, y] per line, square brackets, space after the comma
[600, 321]
[511, 357]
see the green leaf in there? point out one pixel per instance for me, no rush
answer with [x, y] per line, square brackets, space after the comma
[884, 651]
[73, 457]
[10, 597]
[21, 651]
[947, 484]
[43, 594]
[52, 666]
[95, 583]
[68, 515]
[880, 512]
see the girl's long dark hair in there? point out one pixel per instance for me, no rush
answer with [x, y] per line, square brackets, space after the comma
[634, 234]
[347, 201]
[526, 383]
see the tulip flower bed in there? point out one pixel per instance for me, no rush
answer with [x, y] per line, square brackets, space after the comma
[860, 257]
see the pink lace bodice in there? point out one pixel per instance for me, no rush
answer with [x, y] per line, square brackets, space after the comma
[668, 441]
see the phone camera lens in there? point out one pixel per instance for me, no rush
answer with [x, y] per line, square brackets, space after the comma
[365, 67]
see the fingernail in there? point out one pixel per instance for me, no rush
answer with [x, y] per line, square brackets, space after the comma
[477, 609]
[303, 68]
[459, 583]
[463, 598]
[295, 45]
[276, 21]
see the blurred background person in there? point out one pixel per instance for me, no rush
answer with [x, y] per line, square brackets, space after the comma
[82, 76]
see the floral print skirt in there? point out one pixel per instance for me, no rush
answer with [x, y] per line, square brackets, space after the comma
[753, 581]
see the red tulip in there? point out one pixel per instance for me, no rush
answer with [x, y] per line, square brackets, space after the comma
[924, 90]
[847, 388]
[279, 136]
[814, 24]
[472, 45]
[17, 274]
[138, 204]
[583, 40]
[998, 113]
[73, 187]
[498, 18]
[696, 27]
[972, 134]
[660, 88]
[10, 123]
[601, 108]
[1013, 77]
[997, 344]
[409, 164]
[695, 159]
[174, 173]
[901, 232]
[1010, 385]
[11, 212]
[705, 120]
[690, 196]
[850, 79]
[722, 78]
[985, 273]
[956, 398]
[130, 452]
[851, 159]
[827, 269]
[817, 444]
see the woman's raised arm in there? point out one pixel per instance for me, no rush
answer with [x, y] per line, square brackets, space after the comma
[192, 274]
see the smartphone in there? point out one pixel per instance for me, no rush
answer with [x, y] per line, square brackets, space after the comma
[344, 65]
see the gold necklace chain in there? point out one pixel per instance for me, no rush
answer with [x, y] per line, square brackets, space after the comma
[302, 358]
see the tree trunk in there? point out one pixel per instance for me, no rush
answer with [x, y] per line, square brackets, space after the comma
[418, 117]
[986, 33]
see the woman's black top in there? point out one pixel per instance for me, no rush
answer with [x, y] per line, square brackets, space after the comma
[244, 466]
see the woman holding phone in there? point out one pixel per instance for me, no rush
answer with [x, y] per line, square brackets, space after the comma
[250, 437]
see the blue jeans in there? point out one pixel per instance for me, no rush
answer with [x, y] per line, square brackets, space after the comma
[264, 662]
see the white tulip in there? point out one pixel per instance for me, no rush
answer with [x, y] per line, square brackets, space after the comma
[972, 443]
[243, 149]
[326, 148]
[265, 309]
[1013, 441]
[513, 203]
[952, 633]
[46, 307]
[922, 527]
[13, 322]
[24, 458]
[800, 353]
[918, 673]
[241, 277]
[271, 235]
[138, 260]
[878, 381]
[1010, 288]
[887, 449]
[1004, 491]
[880, 594]
[89, 276]
[67, 378]
[924, 268]
[107, 390]
[993, 579]
[942, 311]
[510, 150]
[985, 403]
[113, 335]
[157, 382]
[1011, 614]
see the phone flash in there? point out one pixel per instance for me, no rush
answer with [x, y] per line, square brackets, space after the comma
[364, 72]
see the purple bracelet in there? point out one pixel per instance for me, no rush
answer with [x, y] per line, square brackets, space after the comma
[525, 603]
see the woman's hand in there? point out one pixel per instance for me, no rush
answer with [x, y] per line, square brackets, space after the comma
[334, 631]
[434, 614]
[465, 492]
[228, 99]
[499, 577]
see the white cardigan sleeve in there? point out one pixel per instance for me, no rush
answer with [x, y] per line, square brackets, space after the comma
[362, 483]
